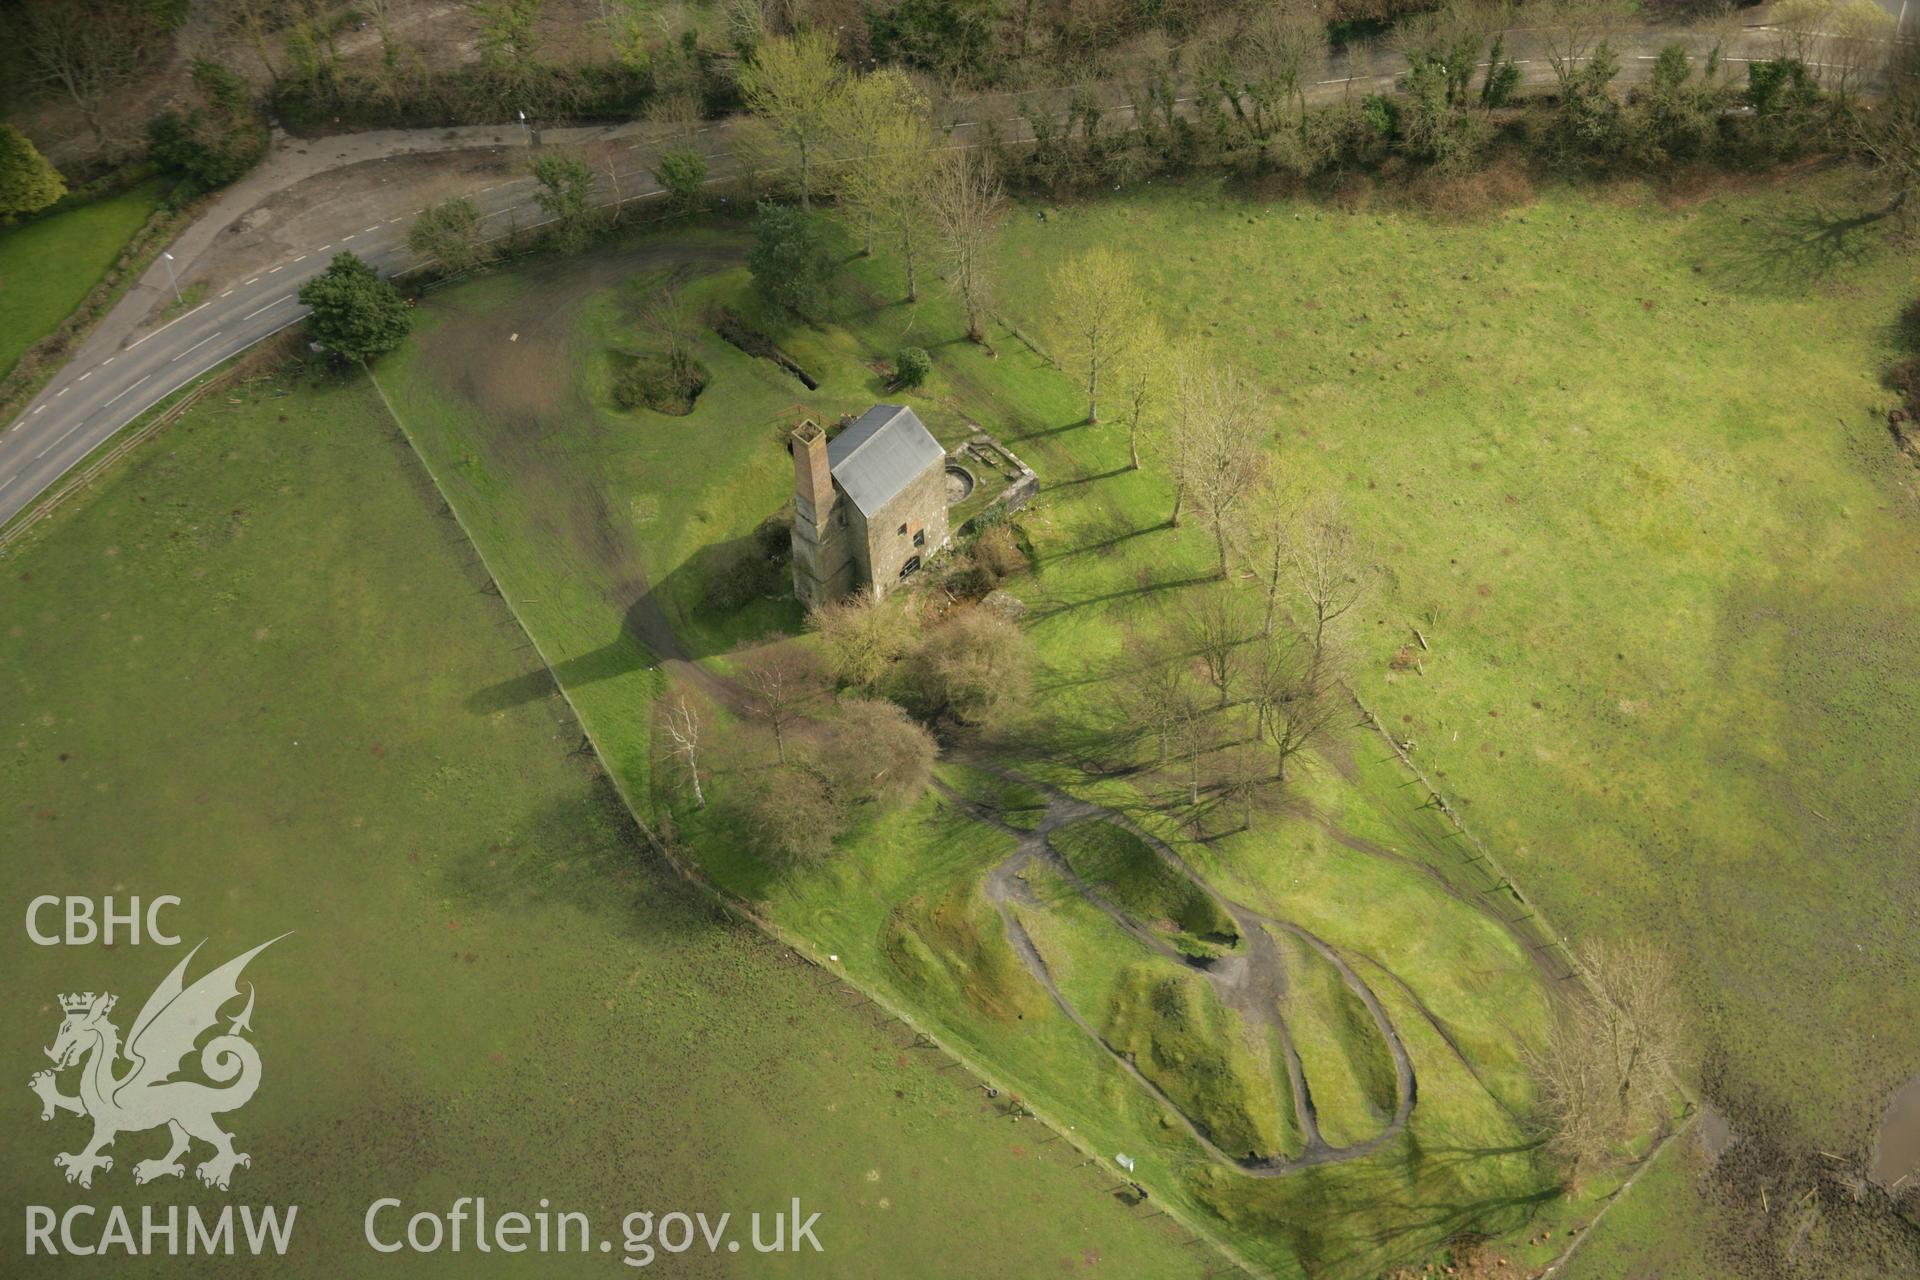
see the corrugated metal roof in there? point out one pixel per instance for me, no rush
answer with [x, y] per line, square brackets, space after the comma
[882, 452]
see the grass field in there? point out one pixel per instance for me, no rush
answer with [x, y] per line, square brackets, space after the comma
[1619, 462]
[603, 527]
[48, 265]
[1624, 466]
[243, 670]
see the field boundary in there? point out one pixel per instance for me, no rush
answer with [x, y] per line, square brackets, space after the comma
[802, 948]
[36, 367]
[1551, 936]
[120, 448]
[1558, 942]
[1620, 1193]
[127, 439]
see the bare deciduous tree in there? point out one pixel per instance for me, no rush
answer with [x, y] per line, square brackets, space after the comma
[781, 685]
[85, 50]
[1286, 49]
[968, 203]
[1156, 696]
[1196, 733]
[1326, 566]
[1606, 1071]
[863, 638]
[1266, 533]
[670, 317]
[1099, 304]
[1295, 698]
[1889, 135]
[1571, 30]
[1143, 372]
[1859, 44]
[251, 20]
[1240, 779]
[1215, 626]
[683, 726]
[1216, 457]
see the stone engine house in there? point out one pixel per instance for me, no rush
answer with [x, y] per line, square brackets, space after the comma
[870, 505]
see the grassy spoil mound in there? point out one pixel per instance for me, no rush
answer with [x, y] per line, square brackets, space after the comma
[1348, 1066]
[954, 943]
[1139, 881]
[1173, 1029]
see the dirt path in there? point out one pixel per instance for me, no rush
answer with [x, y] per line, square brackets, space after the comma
[1252, 983]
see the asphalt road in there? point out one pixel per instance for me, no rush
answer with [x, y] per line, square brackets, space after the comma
[125, 367]
[92, 399]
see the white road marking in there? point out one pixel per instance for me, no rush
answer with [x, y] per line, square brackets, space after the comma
[130, 386]
[364, 230]
[9, 480]
[109, 360]
[195, 347]
[344, 239]
[186, 378]
[271, 270]
[323, 248]
[225, 294]
[168, 325]
[41, 409]
[88, 374]
[301, 258]
[56, 444]
[287, 297]
[62, 391]
[255, 280]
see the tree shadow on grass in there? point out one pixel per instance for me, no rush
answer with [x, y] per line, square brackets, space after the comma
[1056, 607]
[1079, 480]
[1114, 532]
[1041, 433]
[1369, 1215]
[1788, 250]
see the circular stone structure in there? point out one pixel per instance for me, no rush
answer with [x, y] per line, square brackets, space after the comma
[959, 483]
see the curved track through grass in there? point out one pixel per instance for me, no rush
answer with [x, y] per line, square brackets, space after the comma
[1250, 983]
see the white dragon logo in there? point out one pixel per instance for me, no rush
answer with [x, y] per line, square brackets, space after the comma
[146, 1096]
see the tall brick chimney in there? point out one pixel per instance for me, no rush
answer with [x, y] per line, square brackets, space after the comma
[812, 478]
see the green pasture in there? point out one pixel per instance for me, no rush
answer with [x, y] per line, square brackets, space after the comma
[49, 264]
[251, 668]
[606, 528]
[1625, 467]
